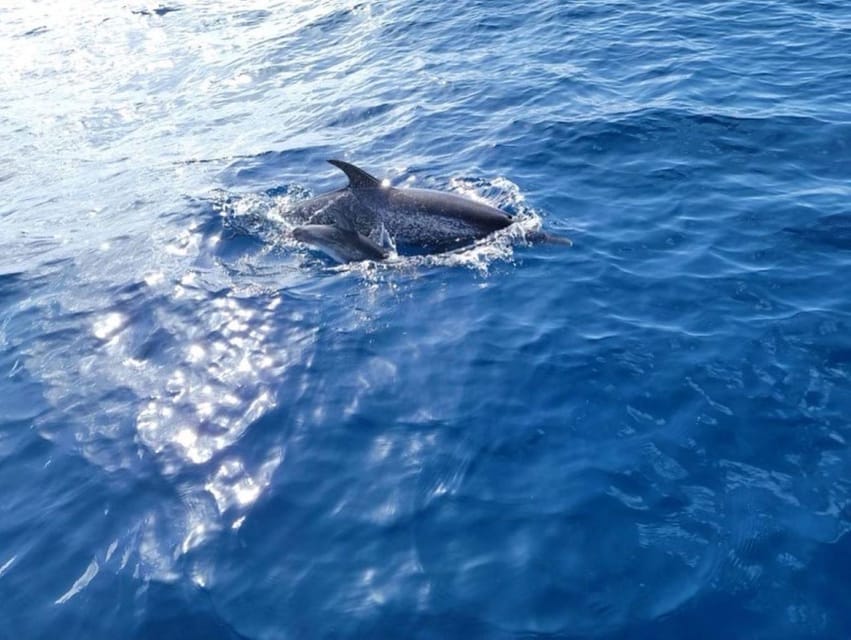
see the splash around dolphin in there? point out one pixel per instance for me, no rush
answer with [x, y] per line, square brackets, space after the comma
[344, 223]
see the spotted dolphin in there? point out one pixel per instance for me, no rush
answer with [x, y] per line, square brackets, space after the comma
[422, 219]
[432, 220]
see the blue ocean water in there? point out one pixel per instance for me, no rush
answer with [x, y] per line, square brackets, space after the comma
[209, 431]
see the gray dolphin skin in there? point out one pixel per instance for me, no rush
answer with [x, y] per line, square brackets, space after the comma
[422, 219]
[341, 244]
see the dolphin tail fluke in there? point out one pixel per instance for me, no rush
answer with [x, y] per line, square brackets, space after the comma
[358, 178]
[549, 238]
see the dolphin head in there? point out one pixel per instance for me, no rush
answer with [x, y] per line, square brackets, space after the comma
[340, 244]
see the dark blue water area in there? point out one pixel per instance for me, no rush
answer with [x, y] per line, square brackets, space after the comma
[209, 430]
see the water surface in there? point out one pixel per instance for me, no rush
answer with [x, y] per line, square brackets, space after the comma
[209, 431]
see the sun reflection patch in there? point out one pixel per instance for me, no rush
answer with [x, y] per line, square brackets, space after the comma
[229, 356]
[221, 383]
[233, 487]
[107, 326]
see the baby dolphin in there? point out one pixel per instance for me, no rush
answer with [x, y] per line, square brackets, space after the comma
[340, 241]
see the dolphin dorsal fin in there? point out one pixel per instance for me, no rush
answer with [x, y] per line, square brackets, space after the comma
[358, 178]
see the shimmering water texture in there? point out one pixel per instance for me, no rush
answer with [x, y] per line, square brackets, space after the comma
[207, 430]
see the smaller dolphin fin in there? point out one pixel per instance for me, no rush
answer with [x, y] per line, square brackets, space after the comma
[385, 241]
[358, 178]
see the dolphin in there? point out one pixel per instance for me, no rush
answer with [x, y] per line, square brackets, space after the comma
[423, 219]
[431, 220]
[341, 241]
